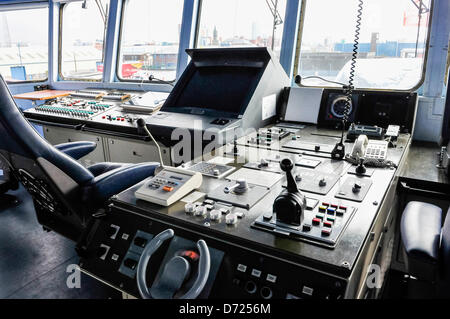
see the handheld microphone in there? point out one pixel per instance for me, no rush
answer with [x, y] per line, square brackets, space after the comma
[143, 126]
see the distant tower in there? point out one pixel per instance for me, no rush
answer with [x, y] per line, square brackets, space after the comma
[5, 36]
[373, 42]
[215, 36]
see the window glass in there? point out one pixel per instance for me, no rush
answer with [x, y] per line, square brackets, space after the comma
[242, 23]
[24, 44]
[150, 39]
[82, 38]
[392, 45]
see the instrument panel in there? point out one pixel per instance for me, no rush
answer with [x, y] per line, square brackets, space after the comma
[232, 212]
[94, 108]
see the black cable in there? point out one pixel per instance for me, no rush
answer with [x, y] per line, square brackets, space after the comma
[349, 89]
[299, 78]
[338, 152]
[152, 78]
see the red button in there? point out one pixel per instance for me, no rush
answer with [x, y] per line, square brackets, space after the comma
[325, 204]
[192, 255]
[316, 221]
[103, 117]
[343, 207]
[326, 232]
[328, 224]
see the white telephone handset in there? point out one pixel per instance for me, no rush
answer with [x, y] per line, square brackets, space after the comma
[359, 149]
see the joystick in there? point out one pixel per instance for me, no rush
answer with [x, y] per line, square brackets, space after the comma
[291, 203]
[361, 168]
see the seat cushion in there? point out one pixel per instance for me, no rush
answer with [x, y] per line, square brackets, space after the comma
[421, 230]
[101, 168]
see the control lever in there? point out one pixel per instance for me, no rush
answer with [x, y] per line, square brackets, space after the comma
[291, 203]
[361, 168]
[175, 271]
[240, 187]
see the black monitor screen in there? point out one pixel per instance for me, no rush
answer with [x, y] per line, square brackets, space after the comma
[221, 89]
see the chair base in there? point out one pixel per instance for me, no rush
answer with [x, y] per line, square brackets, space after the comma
[419, 289]
[7, 201]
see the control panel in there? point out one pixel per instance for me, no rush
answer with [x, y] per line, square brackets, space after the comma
[267, 137]
[118, 117]
[168, 186]
[281, 222]
[323, 223]
[373, 132]
[71, 108]
[99, 109]
[114, 254]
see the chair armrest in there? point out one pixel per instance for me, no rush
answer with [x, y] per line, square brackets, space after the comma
[115, 181]
[76, 150]
[421, 232]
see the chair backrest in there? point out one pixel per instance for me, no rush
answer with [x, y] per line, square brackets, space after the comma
[51, 177]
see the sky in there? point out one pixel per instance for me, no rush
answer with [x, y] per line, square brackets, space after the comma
[382, 16]
[159, 20]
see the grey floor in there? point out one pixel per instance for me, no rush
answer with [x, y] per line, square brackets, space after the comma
[33, 263]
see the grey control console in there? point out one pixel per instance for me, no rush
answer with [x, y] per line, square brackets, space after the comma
[279, 228]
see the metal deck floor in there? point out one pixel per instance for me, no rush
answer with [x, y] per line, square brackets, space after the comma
[33, 262]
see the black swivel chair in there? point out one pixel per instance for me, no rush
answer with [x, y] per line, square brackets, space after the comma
[7, 183]
[65, 194]
[427, 248]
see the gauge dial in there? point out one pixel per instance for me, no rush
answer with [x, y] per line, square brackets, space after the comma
[338, 107]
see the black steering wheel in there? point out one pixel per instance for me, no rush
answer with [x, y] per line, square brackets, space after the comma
[176, 270]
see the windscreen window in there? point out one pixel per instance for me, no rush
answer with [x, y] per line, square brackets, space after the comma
[83, 32]
[392, 45]
[241, 23]
[150, 40]
[24, 45]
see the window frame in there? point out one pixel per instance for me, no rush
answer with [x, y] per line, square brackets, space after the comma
[60, 51]
[119, 48]
[24, 7]
[413, 89]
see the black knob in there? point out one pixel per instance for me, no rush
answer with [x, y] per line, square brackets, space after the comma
[361, 169]
[286, 164]
[290, 204]
[141, 123]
